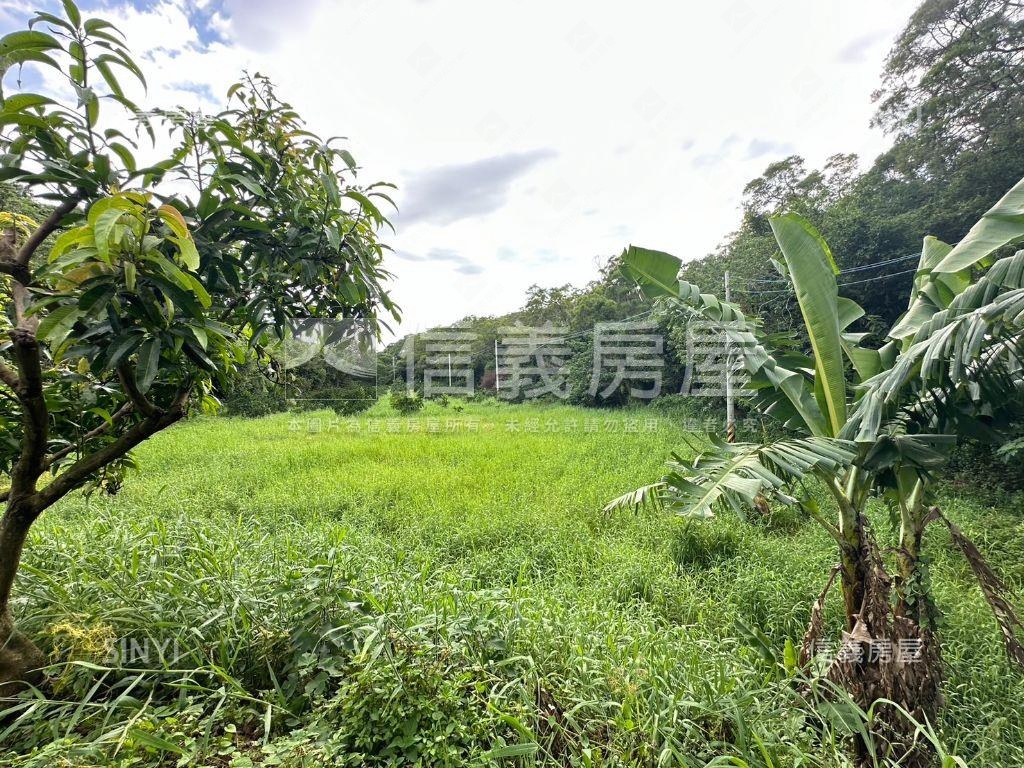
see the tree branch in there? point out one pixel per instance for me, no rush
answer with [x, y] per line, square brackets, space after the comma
[45, 229]
[34, 416]
[9, 377]
[127, 379]
[8, 257]
[79, 472]
[102, 429]
[19, 272]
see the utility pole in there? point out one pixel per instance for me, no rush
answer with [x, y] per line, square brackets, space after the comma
[730, 415]
[449, 370]
[497, 376]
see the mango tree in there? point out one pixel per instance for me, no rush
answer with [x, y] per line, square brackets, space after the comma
[145, 285]
[868, 422]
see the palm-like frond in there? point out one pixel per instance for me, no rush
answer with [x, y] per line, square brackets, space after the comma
[812, 271]
[733, 475]
[968, 349]
[651, 270]
[645, 496]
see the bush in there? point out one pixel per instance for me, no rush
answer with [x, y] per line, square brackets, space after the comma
[405, 402]
[253, 394]
[310, 387]
[981, 467]
[346, 400]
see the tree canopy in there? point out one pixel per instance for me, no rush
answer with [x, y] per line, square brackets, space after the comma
[131, 289]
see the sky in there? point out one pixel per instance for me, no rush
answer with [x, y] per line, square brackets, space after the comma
[532, 140]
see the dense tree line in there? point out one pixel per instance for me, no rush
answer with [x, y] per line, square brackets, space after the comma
[952, 98]
[951, 95]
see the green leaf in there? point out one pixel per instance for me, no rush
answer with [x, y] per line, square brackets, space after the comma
[125, 154]
[69, 239]
[865, 361]
[813, 273]
[189, 254]
[103, 413]
[183, 279]
[200, 335]
[247, 182]
[1001, 225]
[790, 658]
[26, 40]
[122, 59]
[49, 18]
[151, 740]
[149, 364]
[366, 204]
[926, 297]
[23, 120]
[331, 185]
[511, 750]
[108, 77]
[74, 16]
[347, 157]
[21, 101]
[56, 325]
[656, 272]
[172, 217]
[92, 26]
[849, 312]
[92, 107]
[123, 346]
[732, 476]
[103, 228]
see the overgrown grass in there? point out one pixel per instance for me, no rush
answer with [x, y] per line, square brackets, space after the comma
[444, 589]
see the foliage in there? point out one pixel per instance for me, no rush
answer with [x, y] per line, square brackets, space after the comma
[953, 81]
[574, 310]
[609, 639]
[251, 392]
[950, 369]
[161, 279]
[405, 402]
[952, 96]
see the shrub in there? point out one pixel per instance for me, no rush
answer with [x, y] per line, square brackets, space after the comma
[405, 402]
[253, 394]
[309, 387]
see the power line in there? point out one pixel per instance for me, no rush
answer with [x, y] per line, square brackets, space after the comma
[860, 268]
[759, 292]
[581, 334]
[880, 277]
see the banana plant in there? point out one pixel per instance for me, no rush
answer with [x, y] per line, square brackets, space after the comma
[867, 422]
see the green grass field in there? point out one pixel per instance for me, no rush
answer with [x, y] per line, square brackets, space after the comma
[303, 590]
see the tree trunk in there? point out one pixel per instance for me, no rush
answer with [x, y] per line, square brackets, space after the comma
[20, 659]
[910, 597]
[885, 654]
[854, 570]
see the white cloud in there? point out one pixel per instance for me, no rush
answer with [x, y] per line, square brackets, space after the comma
[262, 24]
[529, 138]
